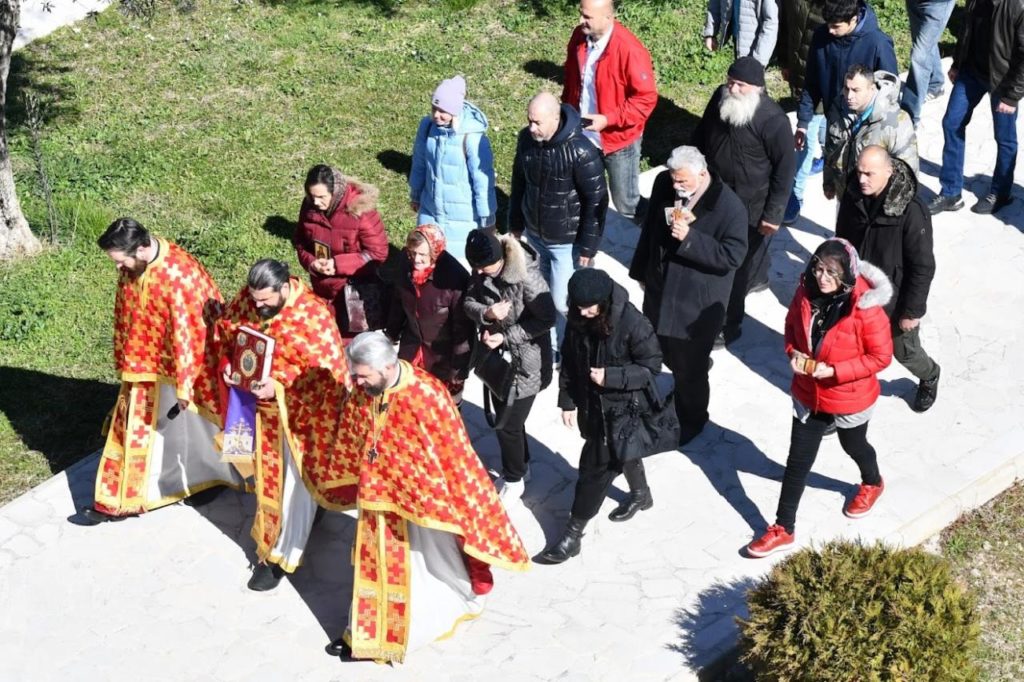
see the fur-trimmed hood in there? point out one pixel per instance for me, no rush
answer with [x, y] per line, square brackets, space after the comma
[519, 257]
[876, 291]
[902, 189]
[360, 197]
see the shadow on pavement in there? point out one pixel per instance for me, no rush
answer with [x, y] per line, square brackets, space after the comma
[552, 482]
[905, 389]
[323, 581]
[762, 350]
[708, 629]
[722, 454]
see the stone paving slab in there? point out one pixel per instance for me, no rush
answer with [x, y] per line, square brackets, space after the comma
[163, 597]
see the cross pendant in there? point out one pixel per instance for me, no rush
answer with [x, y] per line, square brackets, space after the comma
[372, 454]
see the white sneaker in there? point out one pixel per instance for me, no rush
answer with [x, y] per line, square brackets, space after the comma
[510, 491]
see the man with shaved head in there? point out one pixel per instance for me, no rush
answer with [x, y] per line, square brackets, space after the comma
[559, 196]
[609, 79]
[891, 227]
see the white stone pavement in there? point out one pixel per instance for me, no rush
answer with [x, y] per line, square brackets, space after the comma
[163, 597]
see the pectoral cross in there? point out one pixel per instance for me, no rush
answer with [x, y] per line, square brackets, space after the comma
[372, 454]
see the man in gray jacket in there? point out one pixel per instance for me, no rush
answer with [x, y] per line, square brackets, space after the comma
[868, 114]
[753, 26]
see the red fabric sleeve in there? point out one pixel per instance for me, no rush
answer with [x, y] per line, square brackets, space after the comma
[373, 242]
[876, 341]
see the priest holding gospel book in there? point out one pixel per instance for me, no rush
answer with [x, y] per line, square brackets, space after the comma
[292, 410]
[160, 436]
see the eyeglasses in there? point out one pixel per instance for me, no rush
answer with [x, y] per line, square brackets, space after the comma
[820, 269]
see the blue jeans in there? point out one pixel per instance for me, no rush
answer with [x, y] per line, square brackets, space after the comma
[805, 157]
[968, 91]
[623, 169]
[557, 263]
[928, 18]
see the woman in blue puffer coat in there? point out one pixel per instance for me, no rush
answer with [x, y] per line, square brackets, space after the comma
[452, 179]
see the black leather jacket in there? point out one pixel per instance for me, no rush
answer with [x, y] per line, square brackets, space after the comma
[558, 188]
[1006, 52]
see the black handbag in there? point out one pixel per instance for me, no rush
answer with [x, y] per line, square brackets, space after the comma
[498, 376]
[644, 426]
[366, 305]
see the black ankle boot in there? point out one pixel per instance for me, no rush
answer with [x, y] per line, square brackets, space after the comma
[639, 493]
[265, 577]
[568, 545]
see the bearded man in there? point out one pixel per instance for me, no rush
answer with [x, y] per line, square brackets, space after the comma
[160, 434]
[430, 521]
[743, 135]
[290, 412]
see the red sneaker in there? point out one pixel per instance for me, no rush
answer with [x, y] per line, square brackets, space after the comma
[775, 539]
[480, 578]
[864, 500]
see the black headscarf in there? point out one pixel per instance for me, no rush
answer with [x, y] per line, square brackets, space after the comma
[828, 309]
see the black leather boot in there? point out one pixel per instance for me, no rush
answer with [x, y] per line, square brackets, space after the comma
[568, 545]
[639, 493]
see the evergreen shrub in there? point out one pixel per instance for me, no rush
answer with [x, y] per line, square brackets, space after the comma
[851, 611]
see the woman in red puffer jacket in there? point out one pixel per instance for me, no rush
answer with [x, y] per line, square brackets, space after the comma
[340, 238]
[838, 339]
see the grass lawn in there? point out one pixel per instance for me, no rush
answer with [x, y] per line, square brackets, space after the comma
[986, 548]
[202, 125]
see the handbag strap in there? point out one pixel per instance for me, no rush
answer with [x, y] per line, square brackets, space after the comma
[491, 415]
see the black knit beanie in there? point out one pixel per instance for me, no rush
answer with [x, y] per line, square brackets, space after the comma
[483, 248]
[589, 286]
[748, 70]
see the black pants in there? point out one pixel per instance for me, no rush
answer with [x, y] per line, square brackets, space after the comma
[598, 468]
[753, 270]
[803, 449]
[688, 361]
[515, 454]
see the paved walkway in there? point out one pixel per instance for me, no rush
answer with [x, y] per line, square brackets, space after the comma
[163, 597]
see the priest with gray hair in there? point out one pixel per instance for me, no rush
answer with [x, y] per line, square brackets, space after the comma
[744, 135]
[694, 239]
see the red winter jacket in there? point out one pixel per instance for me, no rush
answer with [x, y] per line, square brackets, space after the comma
[624, 81]
[859, 346]
[354, 232]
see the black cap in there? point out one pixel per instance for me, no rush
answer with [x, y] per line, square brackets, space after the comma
[748, 70]
[483, 248]
[589, 286]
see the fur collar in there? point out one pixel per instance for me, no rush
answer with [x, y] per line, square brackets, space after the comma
[364, 199]
[877, 291]
[902, 189]
[516, 259]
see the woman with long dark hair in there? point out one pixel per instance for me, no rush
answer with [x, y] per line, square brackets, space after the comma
[838, 340]
[340, 239]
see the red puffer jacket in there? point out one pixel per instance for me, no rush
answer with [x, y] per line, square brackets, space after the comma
[859, 346]
[354, 232]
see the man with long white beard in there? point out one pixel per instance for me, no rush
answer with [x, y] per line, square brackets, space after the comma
[743, 134]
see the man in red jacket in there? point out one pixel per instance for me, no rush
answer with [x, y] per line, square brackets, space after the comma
[609, 78]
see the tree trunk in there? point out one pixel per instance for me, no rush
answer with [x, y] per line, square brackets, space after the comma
[16, 239]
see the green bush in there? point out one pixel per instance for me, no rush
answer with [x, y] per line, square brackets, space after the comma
[855, 612]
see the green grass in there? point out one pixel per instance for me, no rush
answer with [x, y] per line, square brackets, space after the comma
[202, 124]
[986, 548]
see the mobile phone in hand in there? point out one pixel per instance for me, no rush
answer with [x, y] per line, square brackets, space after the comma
[586, 122]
